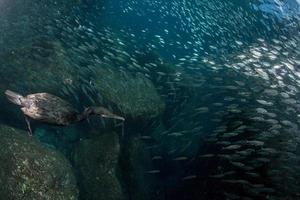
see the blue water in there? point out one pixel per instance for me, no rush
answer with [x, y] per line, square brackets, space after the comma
[209, 91]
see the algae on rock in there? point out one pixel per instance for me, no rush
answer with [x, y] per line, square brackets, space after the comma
[96, 160]
[134, 95]
[29, 170]
[43, 67]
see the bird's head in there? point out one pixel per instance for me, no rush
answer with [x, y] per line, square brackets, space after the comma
[103, 112]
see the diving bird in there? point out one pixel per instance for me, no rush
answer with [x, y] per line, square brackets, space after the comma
[51, 109]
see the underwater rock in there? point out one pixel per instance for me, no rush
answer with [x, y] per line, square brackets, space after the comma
[29, 170]
[42, 67]
[134, 95]
[96, 160]
[141, 177]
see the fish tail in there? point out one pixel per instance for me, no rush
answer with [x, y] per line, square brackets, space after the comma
[14, 97]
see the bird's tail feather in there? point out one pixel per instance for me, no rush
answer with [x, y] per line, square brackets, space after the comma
[14, 97]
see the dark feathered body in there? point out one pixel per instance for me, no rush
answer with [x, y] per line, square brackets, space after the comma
[49, 108]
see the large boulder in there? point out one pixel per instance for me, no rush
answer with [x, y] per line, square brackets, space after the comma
[29, 170]
[142, 182]
[133, 94]
[43, 66]
[96, 160]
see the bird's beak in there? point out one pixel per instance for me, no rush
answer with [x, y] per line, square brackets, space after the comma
[105, 113]
[113, 116]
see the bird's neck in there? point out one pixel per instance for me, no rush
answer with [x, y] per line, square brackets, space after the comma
[84, 115]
